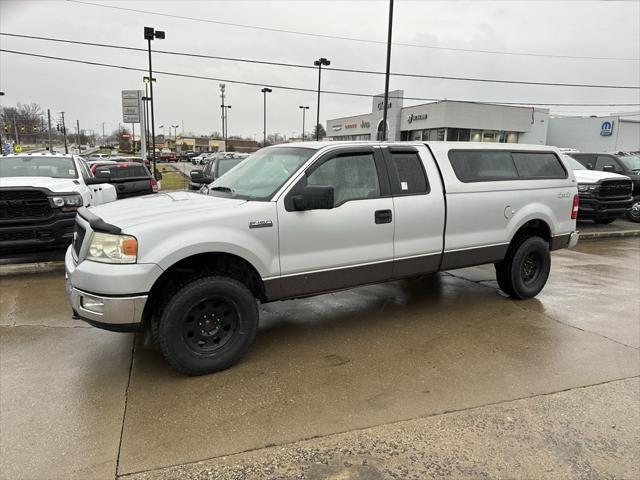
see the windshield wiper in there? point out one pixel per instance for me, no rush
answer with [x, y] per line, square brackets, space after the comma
[222, 189]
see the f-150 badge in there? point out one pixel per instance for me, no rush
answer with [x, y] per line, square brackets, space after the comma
[261, 224]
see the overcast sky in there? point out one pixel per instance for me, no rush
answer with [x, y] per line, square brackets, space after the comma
[92, 94]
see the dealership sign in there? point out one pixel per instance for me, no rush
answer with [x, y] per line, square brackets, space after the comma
[416, 116]
[606, 129]
[131, 106]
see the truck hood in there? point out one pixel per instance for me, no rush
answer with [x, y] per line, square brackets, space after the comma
[594, 176]
[161, 207]
[56, 185]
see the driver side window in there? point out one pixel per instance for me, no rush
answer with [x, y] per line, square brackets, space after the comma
[603, 160]
[352, 176]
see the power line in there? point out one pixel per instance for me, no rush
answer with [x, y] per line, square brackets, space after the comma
[300, 89]
[347, 70]
[353, 39]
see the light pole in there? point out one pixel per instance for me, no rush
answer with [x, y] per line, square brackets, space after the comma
[386, 76]
[265, 90]
[146, 99]
[225, 123]
[175, 135]
[222, 111]
[150, 34]
[319, 63]
[304, 109]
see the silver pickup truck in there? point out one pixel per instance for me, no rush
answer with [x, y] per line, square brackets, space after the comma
[307, 218]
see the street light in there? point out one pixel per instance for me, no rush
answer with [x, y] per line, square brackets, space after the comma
[150, 34]
[225, 122]
[319, 63]
[265, 90]
[304, 109]
[145, 103]
[175, 135]
[223, 112]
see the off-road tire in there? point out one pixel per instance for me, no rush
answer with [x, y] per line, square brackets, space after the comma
[524, 271]
[633, 213]
[182, 322]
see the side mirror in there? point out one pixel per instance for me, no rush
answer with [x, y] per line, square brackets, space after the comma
[609, 168]
[313, 197]
[96, 180]
[206, 180]
[589, 166]
[195, 174]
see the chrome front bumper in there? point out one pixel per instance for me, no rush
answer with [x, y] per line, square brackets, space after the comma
[106, 312]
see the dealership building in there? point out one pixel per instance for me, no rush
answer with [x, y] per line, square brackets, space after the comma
[444, 120]
[610, 134]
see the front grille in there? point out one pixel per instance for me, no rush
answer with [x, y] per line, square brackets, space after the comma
[78, 238]
[24, 205]
[17, 236]
[615, 188]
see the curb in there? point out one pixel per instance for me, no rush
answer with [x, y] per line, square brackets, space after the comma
[34, 267]
[613, 234]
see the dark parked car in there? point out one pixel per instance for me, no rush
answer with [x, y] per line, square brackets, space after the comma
[623, 164]
[213, 169]
[187, 155]
[131, 179]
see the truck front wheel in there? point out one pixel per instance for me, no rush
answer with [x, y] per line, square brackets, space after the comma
[525, 269]
[633, 213]
[207, 325]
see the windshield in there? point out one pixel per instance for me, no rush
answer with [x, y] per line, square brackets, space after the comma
[260, 175]
[227, 164]
[573, 163]
[632, 162]
[37, 166]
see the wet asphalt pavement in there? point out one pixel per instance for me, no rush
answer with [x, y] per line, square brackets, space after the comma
[433, 377]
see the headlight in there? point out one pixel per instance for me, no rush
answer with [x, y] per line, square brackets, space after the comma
[588, 187]
[108, 248]
[66, 202]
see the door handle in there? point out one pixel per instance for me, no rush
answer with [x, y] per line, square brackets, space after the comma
[383, 216]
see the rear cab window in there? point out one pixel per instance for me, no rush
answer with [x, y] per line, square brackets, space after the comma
[501, 165]
[406, 173]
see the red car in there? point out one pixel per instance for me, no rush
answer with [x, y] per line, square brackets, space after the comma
[169, 157]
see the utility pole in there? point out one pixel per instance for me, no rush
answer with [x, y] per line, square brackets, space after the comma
[103, 142]
[64, 134]
[133, 138]
[386, 75]
[78, 136]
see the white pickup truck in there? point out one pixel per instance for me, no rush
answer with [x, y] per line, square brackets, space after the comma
[39, 196]
[307, 218]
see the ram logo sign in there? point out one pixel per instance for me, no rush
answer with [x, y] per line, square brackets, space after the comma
[606, 129]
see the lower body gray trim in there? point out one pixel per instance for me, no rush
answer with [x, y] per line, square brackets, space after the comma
[560, 241]
[473, 256]
[313, 283]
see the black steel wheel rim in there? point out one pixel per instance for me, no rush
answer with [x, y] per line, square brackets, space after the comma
[209, 325]
[531, 268]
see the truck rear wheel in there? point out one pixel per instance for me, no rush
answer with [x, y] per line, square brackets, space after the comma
[207, 325]
[525, 270]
